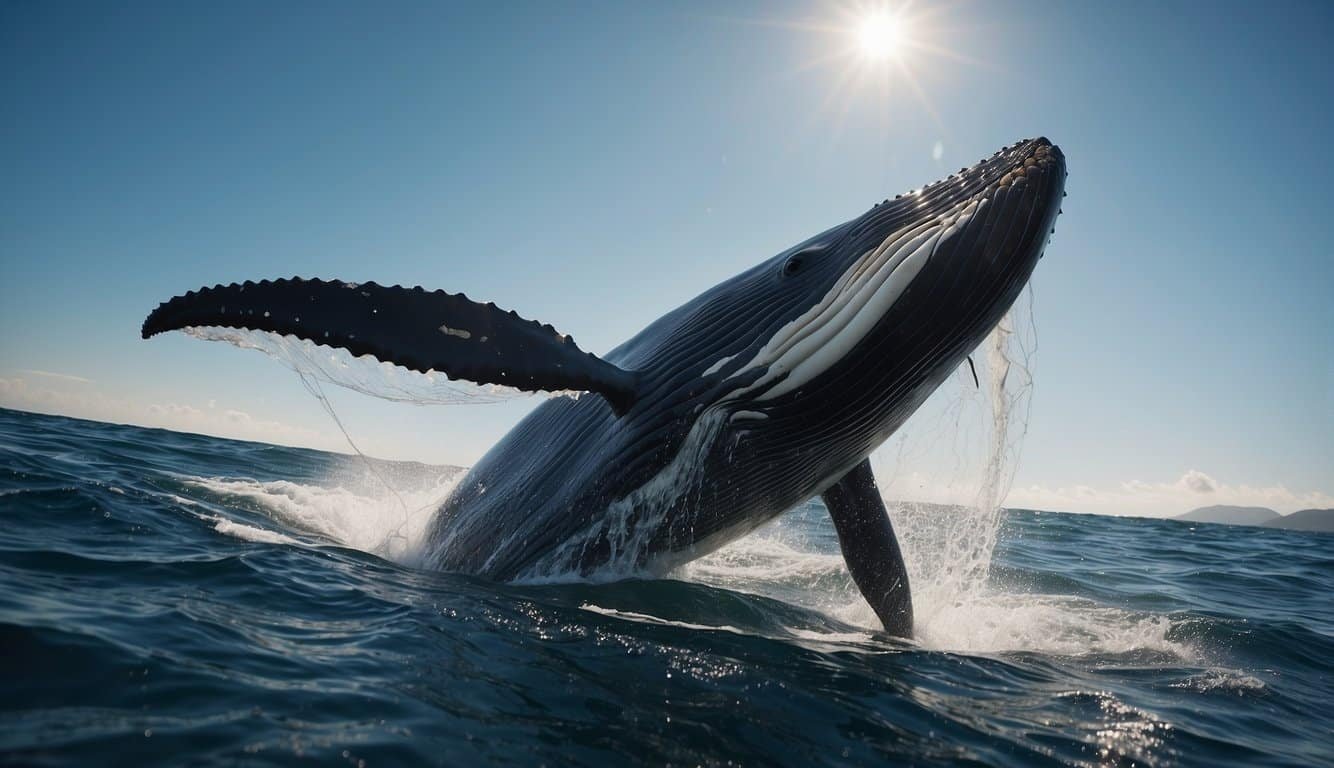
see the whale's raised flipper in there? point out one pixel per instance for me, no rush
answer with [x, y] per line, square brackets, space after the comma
[417, 329]
[869, 547]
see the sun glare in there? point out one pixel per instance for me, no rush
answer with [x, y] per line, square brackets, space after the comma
[879, 35]
[881, 52]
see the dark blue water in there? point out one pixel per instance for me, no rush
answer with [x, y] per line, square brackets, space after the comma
[169, 598]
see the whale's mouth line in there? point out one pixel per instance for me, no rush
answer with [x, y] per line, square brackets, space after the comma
[812, 343]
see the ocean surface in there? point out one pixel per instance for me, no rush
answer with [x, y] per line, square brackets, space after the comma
[178, 599]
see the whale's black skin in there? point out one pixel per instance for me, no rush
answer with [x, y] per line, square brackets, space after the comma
[742, 403]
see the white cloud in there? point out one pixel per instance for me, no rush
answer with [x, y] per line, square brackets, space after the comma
[1198, 482]
[172, 411]
[910, 479]
[85, 402]
[53, 375]
[1164, 499]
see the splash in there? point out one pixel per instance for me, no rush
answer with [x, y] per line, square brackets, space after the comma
[350, 506]
[790, 561]
[249, 532]
[950, 537]
[392, 522]
[631, 522]
[945, 476]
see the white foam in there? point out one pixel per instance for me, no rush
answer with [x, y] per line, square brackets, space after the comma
[1224, 681]
[644, 618]
[388, 523]
[1052, 624]
[251, 533]
[775, 563]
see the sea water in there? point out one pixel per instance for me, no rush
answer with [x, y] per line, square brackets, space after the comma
[175, 599]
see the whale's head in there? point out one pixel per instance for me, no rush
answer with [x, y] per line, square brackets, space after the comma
[845, 334]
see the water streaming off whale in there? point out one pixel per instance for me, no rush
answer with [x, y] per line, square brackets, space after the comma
[982, 429]
[948, 547]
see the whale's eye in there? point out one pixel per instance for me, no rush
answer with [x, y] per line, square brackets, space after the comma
[793, 265]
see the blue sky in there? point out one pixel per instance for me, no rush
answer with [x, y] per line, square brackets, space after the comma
[594, 166]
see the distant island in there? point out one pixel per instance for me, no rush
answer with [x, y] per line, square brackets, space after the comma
[1304, 520]
[1229, 515]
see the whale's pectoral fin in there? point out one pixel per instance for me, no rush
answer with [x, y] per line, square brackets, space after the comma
[869, 547]
[417, 329]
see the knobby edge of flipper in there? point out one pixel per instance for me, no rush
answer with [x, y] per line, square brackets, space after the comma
[870, 548]
[421, 330]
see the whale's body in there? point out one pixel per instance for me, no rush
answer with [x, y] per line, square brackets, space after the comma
[768, 389]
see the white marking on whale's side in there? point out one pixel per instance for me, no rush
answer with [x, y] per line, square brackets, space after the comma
[717, 366]
[809, 345]
[748, 416]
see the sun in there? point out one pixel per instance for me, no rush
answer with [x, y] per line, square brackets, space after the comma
[880, 52]
[880, 35]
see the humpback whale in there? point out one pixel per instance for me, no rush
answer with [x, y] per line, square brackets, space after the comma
[764, 391]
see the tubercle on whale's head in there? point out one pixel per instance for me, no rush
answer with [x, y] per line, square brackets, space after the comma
[1026, 180]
